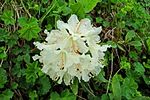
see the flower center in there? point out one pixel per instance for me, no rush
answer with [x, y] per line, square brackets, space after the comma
[74, 47]
[78, 68]
[61, 64]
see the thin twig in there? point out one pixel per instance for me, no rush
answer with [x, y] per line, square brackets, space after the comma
[3, 5]
[89, 91]
[110, 73]
[81, 97]
[2, 59]
[16, 9]
[117, 71]
[1, 63]
[141, 40]
[109, 81]
[25, 9]
[116, 50]
[48, 11]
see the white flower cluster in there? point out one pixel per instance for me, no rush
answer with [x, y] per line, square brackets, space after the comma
[72, 51]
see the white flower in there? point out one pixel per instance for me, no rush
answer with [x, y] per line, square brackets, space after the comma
[72, 51]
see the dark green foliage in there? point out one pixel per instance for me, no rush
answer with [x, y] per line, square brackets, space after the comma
[3, 78]
[7, 17]
[44, 85]
[6, 95]
[29, 28]
[126, 27]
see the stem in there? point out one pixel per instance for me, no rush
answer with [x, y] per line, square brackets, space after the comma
[2, 5]
[81, 97]
[88, 90]
[110, 73]
[48, 11]
[1, 63]
[25, 9]
[141, 40]
[117, 71]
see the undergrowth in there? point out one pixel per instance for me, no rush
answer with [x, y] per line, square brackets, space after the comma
[126, 27]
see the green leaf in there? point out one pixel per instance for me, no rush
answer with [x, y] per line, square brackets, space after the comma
[104, 97]
[14, 85]
[44, 85]
[44, 1]
[71, 2]
[133, 55]
[88, 4]
[129, 88]
[99, 19]
[6, 95]
[135, 43]
[121, 24]
[33, 95]
[148, 43]
[139, 68]
[125, 64]
[111, 96]
[66, 11]
[4, 35]
[141, 98]
[100, 77]
[16, 70]
[146, 65]
[120, 47]
[26, 58]
[13, 39]
[130, 35]
[66, 95]
[74, 87]
[115, 1]
[2, 53]
[146, 79]
[112, 43]
[3, 77]
[91, 97]
[7, 17]
[116, 88]
[49, 27]
[55, 96]
[29, 28]
[31, 72]
[106, 23]
[77, 9]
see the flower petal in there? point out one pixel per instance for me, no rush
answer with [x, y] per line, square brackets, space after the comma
[84, 26]
[73, 22]
[67, 78]
[85, 76]
[81, 46]
[36, 57]
[40, 46]
[64, 26]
